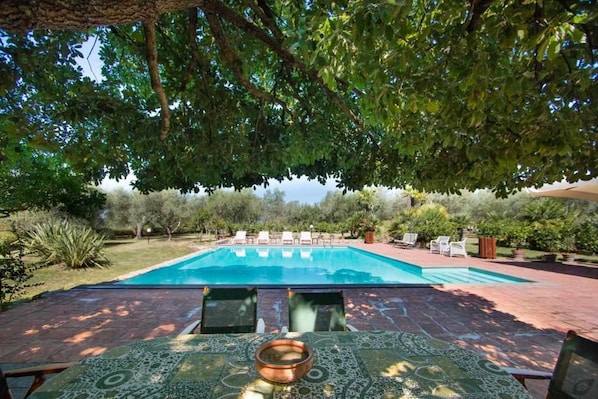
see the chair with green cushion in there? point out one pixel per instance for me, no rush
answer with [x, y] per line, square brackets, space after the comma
[317, 311]
[227, 310]
[575, 374]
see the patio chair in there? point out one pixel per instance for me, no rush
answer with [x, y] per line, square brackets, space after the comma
[305, 238]
[457, 248]
[227, 310]
[287, 238]
[240, 237]
[408, 240]
[317, 311]
[440, 244]
[38, 373]
[263, 237]
[575, 374]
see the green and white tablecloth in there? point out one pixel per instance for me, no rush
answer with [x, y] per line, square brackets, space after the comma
[362, 364]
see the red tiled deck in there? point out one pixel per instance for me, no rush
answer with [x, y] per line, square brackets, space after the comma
[520, 325]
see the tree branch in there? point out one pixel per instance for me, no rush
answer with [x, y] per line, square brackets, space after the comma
[151, 55]
[248, 27]
[477, 8]
[267, 16]
[235, 63]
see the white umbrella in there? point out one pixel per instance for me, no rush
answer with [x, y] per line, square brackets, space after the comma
[582, 189]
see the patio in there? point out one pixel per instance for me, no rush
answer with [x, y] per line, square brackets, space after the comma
[520, 325]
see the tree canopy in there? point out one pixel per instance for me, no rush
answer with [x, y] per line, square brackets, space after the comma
[440, 95]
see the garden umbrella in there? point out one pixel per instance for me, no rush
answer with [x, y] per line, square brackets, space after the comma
[582, 189]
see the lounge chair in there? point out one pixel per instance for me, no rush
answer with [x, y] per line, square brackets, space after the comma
[457, 248]
[287, 238]
[575, 374]
[227, 310]
[263, 237]
[38, 373]
[305, 238]
[240, 237]
[439, 245]
[409, 240]
[317, 311]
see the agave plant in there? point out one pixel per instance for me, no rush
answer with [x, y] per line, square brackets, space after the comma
[67, 244]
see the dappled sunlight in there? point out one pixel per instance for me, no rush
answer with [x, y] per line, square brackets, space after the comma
[161, 330]
[79, 337]
[93, 351]
[397, 369]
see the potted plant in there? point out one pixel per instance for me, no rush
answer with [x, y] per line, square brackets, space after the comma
[368, 226]
[517, 235]
[568, 248]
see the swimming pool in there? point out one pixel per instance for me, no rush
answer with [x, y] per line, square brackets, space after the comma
[301, 266]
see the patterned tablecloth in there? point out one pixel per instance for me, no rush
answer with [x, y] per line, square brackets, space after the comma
[362, 364]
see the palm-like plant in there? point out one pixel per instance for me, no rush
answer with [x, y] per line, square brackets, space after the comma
[68, 244]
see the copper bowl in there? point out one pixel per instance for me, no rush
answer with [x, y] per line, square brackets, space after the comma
[283, 360]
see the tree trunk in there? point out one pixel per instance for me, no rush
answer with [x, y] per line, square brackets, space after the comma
[26, 15]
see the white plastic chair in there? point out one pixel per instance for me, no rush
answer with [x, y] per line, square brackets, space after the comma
[263, 237]
[457, 248]
[287, 238]
[440, 244]
[409, 240]
[240, 237]
[305, 238]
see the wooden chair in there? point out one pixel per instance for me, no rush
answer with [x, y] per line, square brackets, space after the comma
[317, 311]
[227, 310]
[38, 373]
[575, 375]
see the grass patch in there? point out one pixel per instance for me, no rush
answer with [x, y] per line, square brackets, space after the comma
[125, 256]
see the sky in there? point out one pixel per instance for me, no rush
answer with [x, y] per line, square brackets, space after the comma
[299, 189]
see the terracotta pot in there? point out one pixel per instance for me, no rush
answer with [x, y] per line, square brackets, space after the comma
[518, 254]
[369, 237]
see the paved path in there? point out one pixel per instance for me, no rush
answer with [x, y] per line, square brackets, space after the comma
[519, 325]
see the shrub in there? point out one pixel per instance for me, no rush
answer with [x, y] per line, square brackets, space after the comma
[13, 273]
[7, 239]
[67, 244]
[508, 232]
[586, 236]
[549, 236]
[428, 221]
[493, 228]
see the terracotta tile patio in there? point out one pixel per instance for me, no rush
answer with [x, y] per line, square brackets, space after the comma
[520, 325]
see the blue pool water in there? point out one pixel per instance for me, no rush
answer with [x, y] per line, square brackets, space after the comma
[293, 266]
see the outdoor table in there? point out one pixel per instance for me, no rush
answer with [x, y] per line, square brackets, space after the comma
[362, 364]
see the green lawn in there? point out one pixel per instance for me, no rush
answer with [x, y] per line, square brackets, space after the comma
[127, 255]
